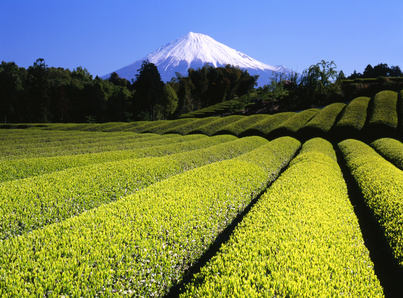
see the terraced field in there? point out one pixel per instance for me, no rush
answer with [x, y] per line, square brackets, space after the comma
[285, 205]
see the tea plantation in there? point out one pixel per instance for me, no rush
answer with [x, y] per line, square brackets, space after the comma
[296, 204]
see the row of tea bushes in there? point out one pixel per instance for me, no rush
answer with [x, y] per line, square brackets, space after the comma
[381, 184]
[32, 203]
[391, 150]
[142, 244]
[28, 167]
[365, 118]
[301, 239]
[25, 149]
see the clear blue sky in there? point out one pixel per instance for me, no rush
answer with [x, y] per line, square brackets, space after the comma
[103, 36]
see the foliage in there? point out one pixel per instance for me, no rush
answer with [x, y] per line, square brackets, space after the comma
[381, 185]
[38, 201]
[384, 110]
[390, 149]
[318, 85]
[142, 244]
[325, 118]
[210, 85]
[354, 115]
[301, 239]
[379, 70]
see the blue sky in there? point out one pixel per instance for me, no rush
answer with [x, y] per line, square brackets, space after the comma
[104, 36]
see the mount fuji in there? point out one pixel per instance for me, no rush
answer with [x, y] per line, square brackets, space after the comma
[194, 50]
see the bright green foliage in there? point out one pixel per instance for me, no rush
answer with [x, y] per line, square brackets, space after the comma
[400, 110]
[384, 110]
[390, 149]
[140, 245]
[354, 115]
[265, 126]
[23, 168]
[130, 141]
[211, 128]
[381, 184]
[188, 127]
[296, 122]
[34, 202]
[146, 125]
[325, 118]
[301, 239]
[172, 124]
[237, 127]
[209, 111]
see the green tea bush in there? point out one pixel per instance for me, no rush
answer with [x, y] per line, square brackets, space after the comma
[383, 116]
[391, 150]
[322, 122]
[238, 127]
[32, 203]
[28, 167]
[381, 184]
[265, 126]
[301, 239]
[142, 244]
[211, 128]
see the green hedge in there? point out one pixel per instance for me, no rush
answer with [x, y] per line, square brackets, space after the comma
[265, 126]
[84, 146]
[391, 150]
[212, 127]
[142, 244]
[35, 202]
[354, 115]
[169, 125]
[383, 115]
[323, 121]
[28, 167]
[381, 184]
[301, 239]
[238, 127]
[184, 129]
[294, 123]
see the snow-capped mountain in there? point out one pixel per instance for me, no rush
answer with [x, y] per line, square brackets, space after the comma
[194, 50]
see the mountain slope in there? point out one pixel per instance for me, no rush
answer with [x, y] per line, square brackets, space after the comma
[194, 50]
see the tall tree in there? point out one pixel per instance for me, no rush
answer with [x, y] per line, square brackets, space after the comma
[148, 89]
[38, 78]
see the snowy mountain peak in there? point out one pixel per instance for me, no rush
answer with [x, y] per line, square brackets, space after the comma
[194, 50]
[200, 48]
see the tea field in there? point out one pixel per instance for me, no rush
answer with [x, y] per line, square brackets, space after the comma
[306, 204]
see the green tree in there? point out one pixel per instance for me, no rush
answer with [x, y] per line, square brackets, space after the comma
[148, 89]
[317, 83]
[170, 101]
[13, 105]
[39, 91]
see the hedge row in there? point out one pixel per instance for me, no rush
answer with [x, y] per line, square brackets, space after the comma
[354, 115]
[35, 202]
[188, 127]
[89, 146]
[384, 111]
[211, 128]
[28, 167]
[381, 184]
[323, 121]
[301, 239]
[391, 150]
[265, 126]
[236, 128]
[142, 244]
[294, 123]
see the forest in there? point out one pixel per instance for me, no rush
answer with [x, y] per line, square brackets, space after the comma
[43, 94]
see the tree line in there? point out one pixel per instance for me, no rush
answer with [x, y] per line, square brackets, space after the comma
[41, 94]
[320, 85]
